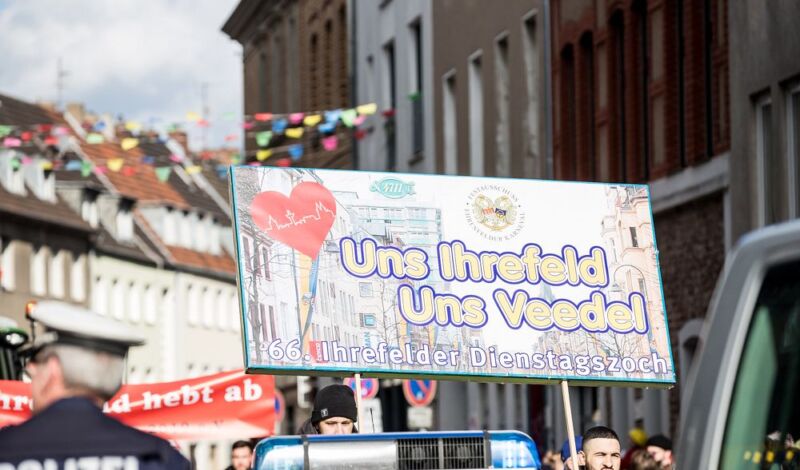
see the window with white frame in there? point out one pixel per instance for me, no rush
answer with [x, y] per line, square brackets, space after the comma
[77, 277]
[100, 296]
[768, 170]
[170, 225]
[476, 117]
[185, 223]
[503, 104]
[450, 123]
[234, 313]
[192, 305]
[56, 276]
[89, 211]
[532, 54]
[134, 302]
[793, 147]
[7, 271]
[200, 231]
[150, 305]
[214, 242]
[38, 278]
[208, 307]
[118, 299]
[221, 307]
[125, 220]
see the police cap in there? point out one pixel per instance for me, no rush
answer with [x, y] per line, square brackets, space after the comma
[77, 326]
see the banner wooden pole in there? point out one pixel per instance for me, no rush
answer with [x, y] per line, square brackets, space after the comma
[358, 398]
[570, 429]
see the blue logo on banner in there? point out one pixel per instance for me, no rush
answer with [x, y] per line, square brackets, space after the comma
[393, 188]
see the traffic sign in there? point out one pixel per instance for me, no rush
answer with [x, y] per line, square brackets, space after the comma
[419, 392]
[369, 387]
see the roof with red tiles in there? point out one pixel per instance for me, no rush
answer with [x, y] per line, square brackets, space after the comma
[143, 185]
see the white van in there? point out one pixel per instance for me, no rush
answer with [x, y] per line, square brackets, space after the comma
[742, 407]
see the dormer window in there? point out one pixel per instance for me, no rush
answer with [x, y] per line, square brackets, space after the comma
[42, 182]
[89, 208]
[186, 229]
[11, 173]
[125, 220]
[170, 226]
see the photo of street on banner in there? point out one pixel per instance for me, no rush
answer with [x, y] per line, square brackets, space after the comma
[449, 277]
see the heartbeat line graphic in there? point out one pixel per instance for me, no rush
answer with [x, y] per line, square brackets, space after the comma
[319, 209]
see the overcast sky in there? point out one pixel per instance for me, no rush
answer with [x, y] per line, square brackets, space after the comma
[145, 60]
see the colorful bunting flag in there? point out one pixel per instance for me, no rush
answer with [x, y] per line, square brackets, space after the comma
[231, 137]
[73, 165]
[279, 125]
[148, 160]
[294, 132]
[262, 155]
[26, 160]
[100, 170]
[263, 138]
[283, 162]
[327, 127]
[129, 171]
[46, 165]
[26, 136]
[99, 126]
[86, 169]
[94, 138]
[248, 125]
[359, 120]
[11, 142]
[15, 163]
[348, 117]
[366, 109]
[51, 140]
[332, 116]
[60, 130]
[133, 126]
[312, 120]
[129, 143]
[360, 134]
[163, 172]
[330, 143]
[115, 164]
[194, 169]
[5, 130]
[229, 116]
[176, 158]
[296, 151]
[296, 118]
[263, 116]
[192, 116]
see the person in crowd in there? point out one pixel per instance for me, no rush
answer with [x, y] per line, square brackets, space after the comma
[643, 460]
[566, 456]
[75, 366]
[660, 447]
[601, 449]
[638, 438]
[551, 460]
[241, 455]
[334, 412]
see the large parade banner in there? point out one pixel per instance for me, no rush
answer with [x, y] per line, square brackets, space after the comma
[219, 406]
[400, 275]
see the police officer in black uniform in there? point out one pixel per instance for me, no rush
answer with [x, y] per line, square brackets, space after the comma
[75, 366]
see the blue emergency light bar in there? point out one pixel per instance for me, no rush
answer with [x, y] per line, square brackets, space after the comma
[399, 451]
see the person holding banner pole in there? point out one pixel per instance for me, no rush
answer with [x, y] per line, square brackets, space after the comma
[334, 412]
[601, 449]
[75, 366]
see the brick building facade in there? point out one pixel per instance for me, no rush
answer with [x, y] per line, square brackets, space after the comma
[640, 92]
[295, 59]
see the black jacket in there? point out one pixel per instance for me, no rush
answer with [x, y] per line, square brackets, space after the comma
[74, 428]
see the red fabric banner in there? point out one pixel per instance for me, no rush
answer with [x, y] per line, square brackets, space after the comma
[220, 406]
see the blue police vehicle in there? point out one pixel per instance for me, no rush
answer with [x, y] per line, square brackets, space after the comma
[399, 451]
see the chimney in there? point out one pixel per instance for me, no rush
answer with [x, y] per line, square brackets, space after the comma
[182, 138]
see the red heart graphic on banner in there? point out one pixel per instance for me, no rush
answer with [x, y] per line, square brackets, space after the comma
[301, 220]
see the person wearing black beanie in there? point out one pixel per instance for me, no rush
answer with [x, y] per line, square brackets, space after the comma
[334, 412]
